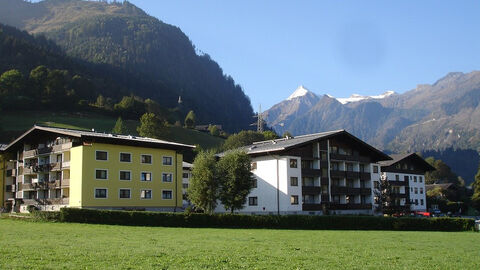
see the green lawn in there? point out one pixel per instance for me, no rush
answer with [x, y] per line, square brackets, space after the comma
[29, 245]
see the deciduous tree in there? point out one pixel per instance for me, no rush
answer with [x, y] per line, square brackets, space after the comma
[203, 188]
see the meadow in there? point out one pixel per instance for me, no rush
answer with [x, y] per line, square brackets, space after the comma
[44, 245]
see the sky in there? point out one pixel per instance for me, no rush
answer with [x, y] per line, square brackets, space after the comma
[331, 47]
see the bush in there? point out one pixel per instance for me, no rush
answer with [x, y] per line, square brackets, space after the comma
[32, 208]
[300, 222]
[45, 215]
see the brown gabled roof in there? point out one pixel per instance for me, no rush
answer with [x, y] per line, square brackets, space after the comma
[284, 144]
[399, 157]
[103, 137]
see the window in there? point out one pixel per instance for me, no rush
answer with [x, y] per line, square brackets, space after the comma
[405, 178]
[420, 179]
[146, 194]
[293, 163]
[101, 174]
[293, 181]
[185, 185]
[124, 193]
[421, 190]
[375, 169]
[252, 201]
[294, 199]
[349, 167]
[416, 201]
[146, 176]
[336, 198]
[167, 194]
[350, 183]
[125, 175]
[416, 190]
[101, 155]
[59, 158]
[167, 161]
[415, 179]
[253, 166]
[125, 157]
[146, 159]
[397, 177]
[323, 156]
[421, 201]
[334, 149]
[363, 199]
[254, 183]
[362, 168]
[100, 193]
[411, 189]
[167, 177]
[334, 166]
[185, 175]
[307, 164]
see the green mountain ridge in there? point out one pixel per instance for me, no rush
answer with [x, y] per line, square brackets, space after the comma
[157, 54]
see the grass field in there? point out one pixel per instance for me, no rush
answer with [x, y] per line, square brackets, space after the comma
[14, 124]
[32, 245]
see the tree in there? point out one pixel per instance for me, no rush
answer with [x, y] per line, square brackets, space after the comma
[190, 119]
[442, 174]
[269, 135]
[12, 83]
[203, 188]
[242, 138]
[476, 191]
[150, 126]
[386, 200]
[213, 130]
[119, 127]
[236, 179]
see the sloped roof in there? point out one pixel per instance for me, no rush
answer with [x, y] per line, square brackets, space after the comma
[289, 143]
[187, 165]
[112, 138]
[398, 157]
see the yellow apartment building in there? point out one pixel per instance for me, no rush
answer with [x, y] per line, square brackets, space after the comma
[49, 168]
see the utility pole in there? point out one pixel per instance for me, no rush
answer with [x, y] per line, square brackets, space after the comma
[260, 119]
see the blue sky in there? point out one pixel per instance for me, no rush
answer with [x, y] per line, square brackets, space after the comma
[334, 47]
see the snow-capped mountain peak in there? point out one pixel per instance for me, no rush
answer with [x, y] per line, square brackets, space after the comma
[357, 97]
[300, 92]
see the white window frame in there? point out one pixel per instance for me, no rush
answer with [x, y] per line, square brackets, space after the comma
[151, 159]
[163, 173]
[120, 174]
[101, 151]
[151, 194]
[151, 176]
[120, 157]
[171, 158]
[95, 193]
[130, 190]
[167, 190]
[98, 169]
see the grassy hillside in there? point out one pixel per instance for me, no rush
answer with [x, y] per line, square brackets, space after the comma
[85, 246]
[14, 124]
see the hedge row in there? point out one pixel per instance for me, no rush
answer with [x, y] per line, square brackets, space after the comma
[303, 222]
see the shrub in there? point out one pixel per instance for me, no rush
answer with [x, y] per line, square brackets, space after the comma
[46, 215]
[300, 222]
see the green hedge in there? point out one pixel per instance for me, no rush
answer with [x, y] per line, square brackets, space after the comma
[300, 222]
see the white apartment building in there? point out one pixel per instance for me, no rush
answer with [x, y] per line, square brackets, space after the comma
[312, 174]
[186, 175]
[406, 173]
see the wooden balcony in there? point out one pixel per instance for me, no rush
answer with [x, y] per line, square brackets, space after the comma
[365, 176]
[349, 158]
[352, 175]
[337, 174]
[27, 187]
[57, 166]
[311, 190]
[10, 188]
[312, 207]
[62, 147]
[65, 183]
[311, 172]
[399, 195]
[30, 153]
[351, 190]
[44, 150]
[398, 183]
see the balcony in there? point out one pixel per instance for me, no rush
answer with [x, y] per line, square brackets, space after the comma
[398, 183]
[28, 186]
[65, 183]
[29, 170]
[352, 174]
[352, 206]
[399, 195]
[56, 166]
[11, 173]
[66, 165]
[311, 190]
[62, 147]
[44, 150]
[337, 174]
[349, 158]
[365, 176]
[351, 190]
[30, 153]
[311, 172]
[10, 188]
[324, 181]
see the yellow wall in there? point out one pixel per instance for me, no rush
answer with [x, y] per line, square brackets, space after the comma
[83, 182]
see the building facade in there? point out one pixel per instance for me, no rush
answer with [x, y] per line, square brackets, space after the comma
[406, 175]
[50, 168]
[313, 174]
[186, 176]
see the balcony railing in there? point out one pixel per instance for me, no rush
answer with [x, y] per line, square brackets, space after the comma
[312, 207]
[65, 183]
[28, 186]
[311, 190]
[398, 183]
[338, 206]
[337, 174]
[10, 188]
[30, 153]
[56, 166]
[66, 165]
[311, 172]
[351, 190]
[349, 158]
[365, 176]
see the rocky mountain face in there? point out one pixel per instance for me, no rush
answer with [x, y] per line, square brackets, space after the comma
[145, 49]
[437, 117]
